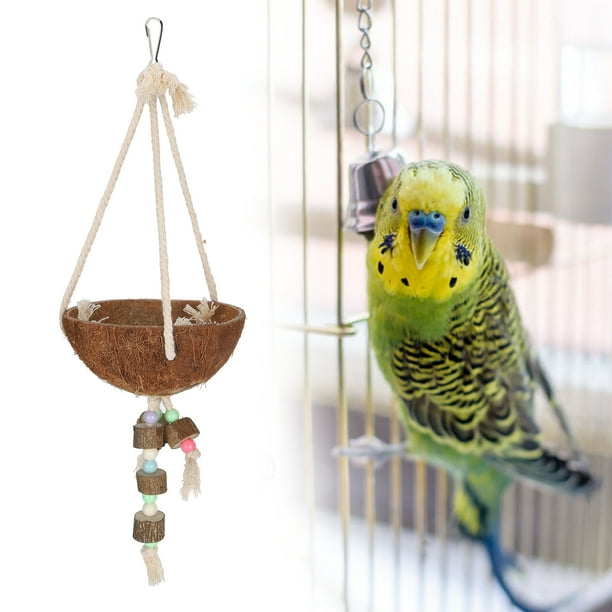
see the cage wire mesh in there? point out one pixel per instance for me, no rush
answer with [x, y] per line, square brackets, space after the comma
[476, 82]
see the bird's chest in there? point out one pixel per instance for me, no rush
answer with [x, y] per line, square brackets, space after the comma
[438, 367]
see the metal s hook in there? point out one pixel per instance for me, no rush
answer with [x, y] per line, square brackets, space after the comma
[148, 33]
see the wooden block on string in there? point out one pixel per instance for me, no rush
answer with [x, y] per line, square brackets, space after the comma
[152, 484]
[148, 436]
[180, 430]
[148, 529]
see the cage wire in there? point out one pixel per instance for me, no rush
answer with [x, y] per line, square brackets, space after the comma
[475, 82]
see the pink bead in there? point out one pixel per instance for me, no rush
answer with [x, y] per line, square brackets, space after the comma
[188, 445]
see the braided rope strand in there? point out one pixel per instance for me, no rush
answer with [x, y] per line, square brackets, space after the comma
[169, 346]
[95, 226]
[210, 281]
[153, 82]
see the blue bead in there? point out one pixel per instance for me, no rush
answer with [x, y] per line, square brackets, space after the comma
[149, 466]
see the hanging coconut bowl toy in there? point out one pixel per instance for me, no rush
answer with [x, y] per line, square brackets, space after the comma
[154, 347]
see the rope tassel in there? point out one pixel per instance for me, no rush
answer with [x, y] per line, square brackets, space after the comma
[154, 81]
[155, 571]
[182, 100]
[191, 474]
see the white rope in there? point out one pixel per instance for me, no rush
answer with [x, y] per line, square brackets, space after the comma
[153, 402]
[153, 82]
[167, 402]
[155, 570]
[191, 475]
[112, 181]
[169, 347]
[210, 281]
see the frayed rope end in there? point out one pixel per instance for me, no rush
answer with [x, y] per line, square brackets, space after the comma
[182, 100]
[155, 571]
[191, 475]
[154, 81]
[85, 310]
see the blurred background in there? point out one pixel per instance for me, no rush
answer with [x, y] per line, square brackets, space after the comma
[518, 92]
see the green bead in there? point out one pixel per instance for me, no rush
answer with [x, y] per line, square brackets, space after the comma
[171, 415]
[151, 544]
[149, 499]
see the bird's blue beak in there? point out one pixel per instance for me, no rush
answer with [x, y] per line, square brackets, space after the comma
[425, 229]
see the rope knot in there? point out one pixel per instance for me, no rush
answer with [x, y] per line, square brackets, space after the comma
[154, 81]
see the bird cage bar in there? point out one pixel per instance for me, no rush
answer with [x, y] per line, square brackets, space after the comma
[396, 489]
[418, 468]
[342, 401]
[395, 464]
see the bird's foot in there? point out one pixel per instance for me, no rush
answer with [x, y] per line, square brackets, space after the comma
[364, 449]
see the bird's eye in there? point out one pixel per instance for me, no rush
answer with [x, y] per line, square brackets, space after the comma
[466, 213]
[394, 204]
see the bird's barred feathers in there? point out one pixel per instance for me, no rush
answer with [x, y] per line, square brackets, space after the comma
[452, 386]
[473, 389]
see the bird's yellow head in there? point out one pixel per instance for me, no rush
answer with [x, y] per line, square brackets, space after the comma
[429, 233]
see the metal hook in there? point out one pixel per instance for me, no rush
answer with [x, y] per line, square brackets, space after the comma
[148, 32]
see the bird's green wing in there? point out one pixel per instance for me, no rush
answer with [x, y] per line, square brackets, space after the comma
[472, 390]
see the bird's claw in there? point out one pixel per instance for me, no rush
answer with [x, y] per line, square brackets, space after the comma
[364, 449]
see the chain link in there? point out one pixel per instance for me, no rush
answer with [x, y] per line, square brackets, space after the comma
[369, 112]
[364, 24]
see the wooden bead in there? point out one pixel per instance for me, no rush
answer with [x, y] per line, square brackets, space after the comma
[180, 430]
[148, 436]
[148, 529]
[152, 484]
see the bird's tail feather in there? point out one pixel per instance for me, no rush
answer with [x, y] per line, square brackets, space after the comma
[550, 468]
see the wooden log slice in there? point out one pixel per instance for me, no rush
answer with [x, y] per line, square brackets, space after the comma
[148, 436]
[152, 484]
[149, 529]
[178, 431]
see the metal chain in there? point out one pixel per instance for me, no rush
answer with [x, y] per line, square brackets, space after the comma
[364, 24]
[370, 107]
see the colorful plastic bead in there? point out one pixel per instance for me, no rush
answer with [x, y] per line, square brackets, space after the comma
[188, 445]
[151, 544]
[150, 417]
[171, 415]
[149, 454]
[149, 509]
[149, 499]
[149, 466]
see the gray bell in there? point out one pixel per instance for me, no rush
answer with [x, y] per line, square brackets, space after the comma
[368, 179]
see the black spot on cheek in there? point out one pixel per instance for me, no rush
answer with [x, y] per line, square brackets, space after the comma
[387, 244]
[453, 282]
[405, 281]
[381, 268]
[463, 254]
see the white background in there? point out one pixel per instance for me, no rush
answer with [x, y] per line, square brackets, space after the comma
[67, 493]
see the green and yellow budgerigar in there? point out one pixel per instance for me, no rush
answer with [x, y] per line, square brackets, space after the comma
[448, 338]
